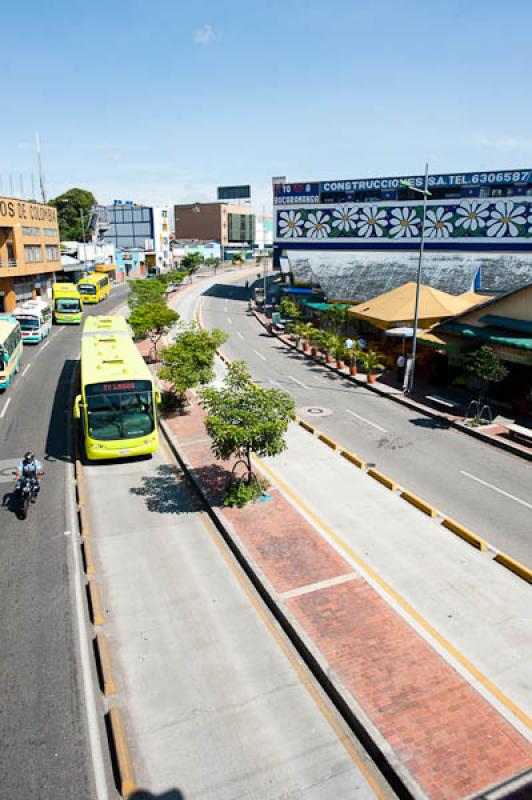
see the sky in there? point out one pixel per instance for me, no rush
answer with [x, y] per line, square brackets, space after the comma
[161, 102]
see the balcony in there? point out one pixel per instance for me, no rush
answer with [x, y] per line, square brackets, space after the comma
[10, 263]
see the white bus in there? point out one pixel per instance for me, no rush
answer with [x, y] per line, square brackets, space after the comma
[35, 319]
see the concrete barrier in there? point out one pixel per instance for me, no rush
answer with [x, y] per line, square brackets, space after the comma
[515, 566]
[96, 609]
[416, 501]
[79, 470]
[464, 534]
[382, 478]
[88, 557]
[123, 761]
[328, 441]
[106, 671]
[353, 459]
[306, 425]
[84, 521]
[80, 491]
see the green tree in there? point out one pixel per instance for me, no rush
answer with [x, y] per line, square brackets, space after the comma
[328, 342]
[487, 367]
[145, 290]
[245, 418]
[189, 362]
[191, 263]
[336, 318]
[289, 309]
[152, 321]
[69, 205]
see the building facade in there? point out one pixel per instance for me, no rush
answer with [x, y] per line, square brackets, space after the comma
[29, 251]
[480, 211]
[138, 227]
[233, 226]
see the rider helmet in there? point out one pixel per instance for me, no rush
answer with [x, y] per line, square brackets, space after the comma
[28, 457]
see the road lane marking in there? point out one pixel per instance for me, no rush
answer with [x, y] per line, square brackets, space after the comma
[230, 321]
[302, 671]
[6, 405]
[386, 590]
[57, 333]
[25, 370]
[299, 383]
[259, 355]
[239, 334]
[45, 345]
[368, 421]
[276, 383]
[496, 489]
[319, 585]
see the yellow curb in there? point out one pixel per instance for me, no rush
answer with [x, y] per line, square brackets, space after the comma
[88, 555]
[328, 441]
[79, 470]
[416, 501]
[96, 604]
[514, 566]
[123, 759]
[80, 489]
[353, 459]
[382, 478]
[464, 534]
[306, 425]
[84, 521]
[109, 686]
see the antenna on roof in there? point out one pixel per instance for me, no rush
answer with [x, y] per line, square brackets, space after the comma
[39, 161]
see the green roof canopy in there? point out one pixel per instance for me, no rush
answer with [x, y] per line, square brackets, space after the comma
[489, 335]
[323, 306]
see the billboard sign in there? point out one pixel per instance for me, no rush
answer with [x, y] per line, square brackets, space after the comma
[234, 192]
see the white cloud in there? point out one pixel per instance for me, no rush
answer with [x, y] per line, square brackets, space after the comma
[505, 142]
[205, 35]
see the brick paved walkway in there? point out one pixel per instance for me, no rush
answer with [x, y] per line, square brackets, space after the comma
[449, 738]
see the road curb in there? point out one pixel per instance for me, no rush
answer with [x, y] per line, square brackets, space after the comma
[515, 566]
[104, 660]
[377, 746]
[416, 501]
[88, 558]
[464, 533]
[382, 478]
[358, 462]
[127, 784]
[95, 603]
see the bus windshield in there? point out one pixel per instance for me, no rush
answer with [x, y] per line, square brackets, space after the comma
[67, 304]
[87, 288]
[29, 323]
[115, 412]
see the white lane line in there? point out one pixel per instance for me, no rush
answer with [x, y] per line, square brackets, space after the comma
[496, 489]
[6, 405]
[47, 342]
[367, 421]
[276, 383]
[295, 380]
[230, 321]
[61, 330]
[239, 334]
[316, 587]
[259, 355]
[28, 367]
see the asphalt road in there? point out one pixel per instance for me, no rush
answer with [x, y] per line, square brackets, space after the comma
[44, 748]
[486, 489]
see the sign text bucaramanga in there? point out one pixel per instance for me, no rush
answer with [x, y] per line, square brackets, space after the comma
[13, 211]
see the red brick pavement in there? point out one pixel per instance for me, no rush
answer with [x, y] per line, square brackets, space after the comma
[450, 739]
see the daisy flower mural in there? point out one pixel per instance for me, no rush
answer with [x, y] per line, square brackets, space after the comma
[471, 215]
[345, 218]
[372, 221]
[317, 225]
[290, 224]
[405, 223]
[438, 224]
[505, 218]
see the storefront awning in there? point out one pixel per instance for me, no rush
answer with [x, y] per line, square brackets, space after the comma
[489, 335]
[316, 306]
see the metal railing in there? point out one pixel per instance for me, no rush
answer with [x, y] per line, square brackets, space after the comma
[477, 413]
[10, 262]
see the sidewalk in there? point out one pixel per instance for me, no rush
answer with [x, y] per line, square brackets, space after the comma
[495, 434]
[426, 640]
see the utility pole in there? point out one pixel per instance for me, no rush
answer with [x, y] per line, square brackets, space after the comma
[83, 234]
[39, 161]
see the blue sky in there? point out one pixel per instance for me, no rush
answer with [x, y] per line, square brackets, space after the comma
[162, 102]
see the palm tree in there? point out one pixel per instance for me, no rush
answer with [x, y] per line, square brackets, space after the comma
[328, 343]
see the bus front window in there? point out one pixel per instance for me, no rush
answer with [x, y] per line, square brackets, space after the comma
[66, 304]
[120, 416]
[28, 323]
[87, 288]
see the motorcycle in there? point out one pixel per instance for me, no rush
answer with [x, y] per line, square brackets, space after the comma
[26, 491]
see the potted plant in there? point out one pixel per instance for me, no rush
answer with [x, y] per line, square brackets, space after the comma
[328, 344]
[340, 356]
[372, 364]
[295, 329]
[351, 354]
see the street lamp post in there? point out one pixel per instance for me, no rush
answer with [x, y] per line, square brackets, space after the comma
[425, 192]
[84, 238]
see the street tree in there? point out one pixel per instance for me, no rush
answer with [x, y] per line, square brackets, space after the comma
[152, 321]
[145, 290]
[245, 418]
[336, 318]
[487, 367]
[70, 205]
[289, 309]
[189, 361]
[191, 263]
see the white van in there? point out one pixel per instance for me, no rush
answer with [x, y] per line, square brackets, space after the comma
[35, 319]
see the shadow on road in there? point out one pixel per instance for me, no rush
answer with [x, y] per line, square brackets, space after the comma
[10, 503]
[57, 445]
[228, 292]
[434, 423]
[172, 794]
[164, 493]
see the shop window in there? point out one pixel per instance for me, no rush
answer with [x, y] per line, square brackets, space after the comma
[32, 253]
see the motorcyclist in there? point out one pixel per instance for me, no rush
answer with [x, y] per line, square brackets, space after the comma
[30, 467]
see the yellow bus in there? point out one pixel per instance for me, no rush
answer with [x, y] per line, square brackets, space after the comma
[117, 405]
[94, 288]
[66, 303]
[10, 349]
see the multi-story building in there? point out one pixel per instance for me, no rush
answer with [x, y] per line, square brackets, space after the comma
[233, 226]
[134, 227]
[29, 251]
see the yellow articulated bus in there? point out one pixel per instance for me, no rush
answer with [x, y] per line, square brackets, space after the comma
[67, 305]
[118, 401]
[10, 349]
[94, 288]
